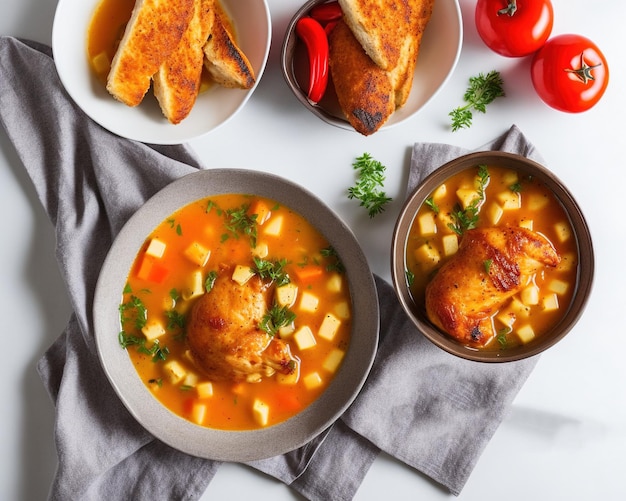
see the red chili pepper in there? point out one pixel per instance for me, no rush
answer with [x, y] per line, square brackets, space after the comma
[314, 37]
[326, 12]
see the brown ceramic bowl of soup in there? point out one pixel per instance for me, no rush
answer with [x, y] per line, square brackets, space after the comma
[235, 315]
[492, 258]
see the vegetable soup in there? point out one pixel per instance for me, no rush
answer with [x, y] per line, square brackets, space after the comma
[236, 313]
[481, 199]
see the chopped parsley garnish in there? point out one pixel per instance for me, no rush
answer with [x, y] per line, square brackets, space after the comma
[239, 222]
[432, 204]
[209, 282]
[133, 310]
[335, 262]
[410, 277]
[467, 219]
[275, 318]
[175, 319]
[272, 270]
[156, 351]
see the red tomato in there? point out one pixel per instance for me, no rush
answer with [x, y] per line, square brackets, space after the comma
[514, 28]
[570, 73]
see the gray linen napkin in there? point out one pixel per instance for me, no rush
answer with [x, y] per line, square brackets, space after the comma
[90, 182]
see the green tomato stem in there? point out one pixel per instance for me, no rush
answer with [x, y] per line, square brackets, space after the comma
[510, 9]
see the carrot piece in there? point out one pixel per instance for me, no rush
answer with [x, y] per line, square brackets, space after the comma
[261, 209]
[151, 270]
[308, 272]
[288, 402]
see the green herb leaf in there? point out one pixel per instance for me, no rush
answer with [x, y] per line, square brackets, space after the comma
[133, 310]
[273, 271]
[331, 254]
[175, 319]
[467, 219]
[239, 222]
[432, 204]
[275, 318]
[487, 264]
[371, 177]
[410, 277]
[482, 90]
[209, 282]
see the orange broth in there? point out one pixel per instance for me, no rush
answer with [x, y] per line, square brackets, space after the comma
[509, 199]
[165, 287]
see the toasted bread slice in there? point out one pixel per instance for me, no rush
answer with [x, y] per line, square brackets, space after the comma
[381, 26]
[226, 62]
[364, 91]
[152, 33]
[402, 74]
[177, 82]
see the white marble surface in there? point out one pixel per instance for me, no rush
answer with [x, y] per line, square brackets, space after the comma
[565, 436]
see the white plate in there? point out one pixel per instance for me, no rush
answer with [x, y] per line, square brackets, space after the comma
[439, 54]
[146, 123]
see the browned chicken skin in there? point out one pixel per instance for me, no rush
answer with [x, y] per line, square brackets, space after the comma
[224, 335]
[491, 265]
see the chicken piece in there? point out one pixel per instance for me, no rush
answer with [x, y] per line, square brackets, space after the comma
[491, 265]
[224, 334]
[151, 35]
[177, 82]
[365, 92]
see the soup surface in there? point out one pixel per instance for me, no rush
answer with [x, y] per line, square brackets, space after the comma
[486, 200]
[236, 313]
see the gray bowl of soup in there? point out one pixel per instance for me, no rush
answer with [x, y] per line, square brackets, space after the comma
[227, 316]
[492, 258]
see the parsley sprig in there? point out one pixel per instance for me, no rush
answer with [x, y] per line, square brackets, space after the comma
[275, 318]
[273, 271]
[370, 179]
[238, 222]
[483, 90]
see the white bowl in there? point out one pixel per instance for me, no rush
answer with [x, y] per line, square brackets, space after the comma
[438, 56]
[235, 445]
[146, 123]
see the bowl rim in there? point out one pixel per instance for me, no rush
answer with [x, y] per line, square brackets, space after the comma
[398, 117]
[584, 278]
[235, 445]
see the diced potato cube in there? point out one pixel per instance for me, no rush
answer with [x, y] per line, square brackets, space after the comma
[550, 302]
[333, 360]
[289, 379]
[204, 389]
[304, 338]
[261, 412]
[537, 202]
[312, 380]
[195, 286]
[241, 274]
[286, 294]
[330, 326]
[309, 301]
[563, 231]
[526, 223]
[450, 244]
[174, 371]
[466, 196]
[197, 253]
[287, 330]
[510, 177]
[525, 333]
[342, 310]
[153, 330]
[568, 261]
[445, 220]
[426, 223]
[507, 318]
[494, 213]
[530, 295]
[335, 283]
[519, 308]
[274, 226]
[262, 210]
[156, 248]
[558, 286]
[101, 63]
[261, 250]
[509, 200]
[440, 192]
[190, 379]
[427, 255]
[198, 412]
